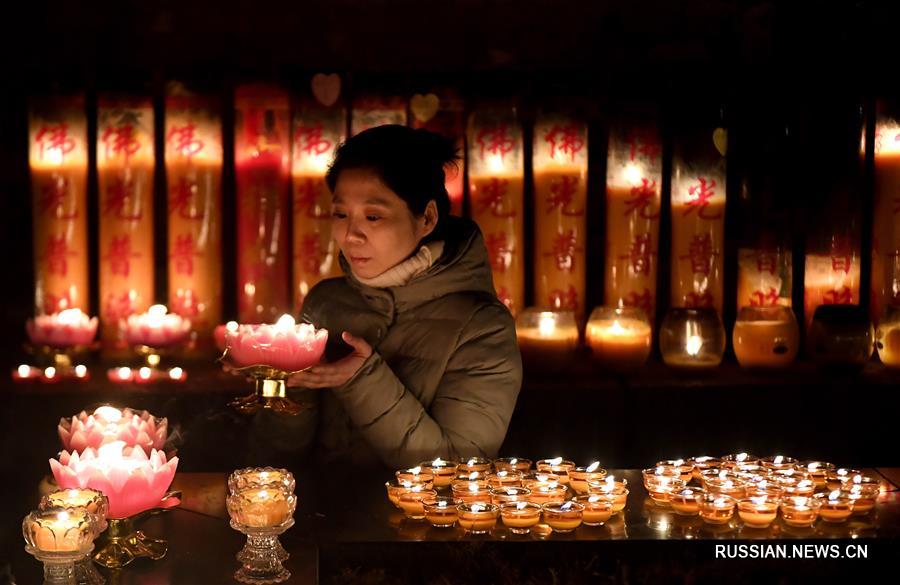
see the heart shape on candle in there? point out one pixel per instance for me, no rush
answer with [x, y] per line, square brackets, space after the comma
[720, 140]
[424, 107]
[326, 88]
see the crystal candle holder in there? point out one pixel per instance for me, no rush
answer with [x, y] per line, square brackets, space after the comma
[779, 462]
[503, 479]
[597, 509]
[443, 470]
[800, 512]
[766, 337]
[500, 496]
[441, 511]
[835, 479]
[261, 507]
[475, 464]
[716, 509]
[547, 339]
[620, 339]
[520, 517]
[539, 477]
[563, 516]
[395, 490]
[519, 464]
[471, 492]
[257, 477]
[580, 476]
[818, 470]
[660, 488]
[93, 501]
[864, 492]
[478, 517]
[841, 336]
[692, 338]
[415, 476]
[59, 538]
[836, 506]
[411, 502]
[557, 466]
[659, 471]
[702, 463]
[686, 501]
[758, 511]
[543, 493]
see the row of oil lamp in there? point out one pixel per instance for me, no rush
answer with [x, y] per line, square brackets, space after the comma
[478, 493]
[112, 472]
[620, 338]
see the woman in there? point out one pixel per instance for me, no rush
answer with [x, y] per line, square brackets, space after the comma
[432, 367]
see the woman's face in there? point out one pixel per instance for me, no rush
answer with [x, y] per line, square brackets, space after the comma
[374, 228]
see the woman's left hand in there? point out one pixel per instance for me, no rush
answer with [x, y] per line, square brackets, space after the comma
[335, 374]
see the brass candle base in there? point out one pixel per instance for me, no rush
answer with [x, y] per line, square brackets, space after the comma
[124, 542]
[269, 391]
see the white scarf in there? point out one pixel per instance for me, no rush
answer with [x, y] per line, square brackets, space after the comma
[403, 272]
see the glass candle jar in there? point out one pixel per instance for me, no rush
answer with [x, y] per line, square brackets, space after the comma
[94, 501]
[835, 479]
[59, 530]
[261, 507]
[766, 337]
[686, 501]
[692, 338]
[549, 492]
[660, 488]
[580, 476]
[616, 490]
[471, 491]
[735, 459]
[716, 509]
[395, 490]
[685, 468]
[440, 511]
[411, 502]
[800, 512]
[476, 464]
[504, 479]
[540, 477]
[864, 492]
[443, 471]
[818, 470]
[836, 506]
[547, 339]
[727, 484]
[597, 508]
[841, 336]
[557, 466]
[779, 462]
[620, 338]
[500, 496]
[415, 476]
[702, 463]
[563, 516]
[758, 511]
[478, 517]
[520, 517]
[519, 464]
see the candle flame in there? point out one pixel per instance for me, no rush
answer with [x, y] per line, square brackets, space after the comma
[473, 476]
[513, 461]
[693, 345]
[124, 373]
[144, 373]
[442, 503]
[805, 483]
[565, 506]
[108, 413]
[62, 516]
[723, 474]
[720, 502]
[595, 498]
[473, 487]
[80, 371]
[478, 507]
[502, 474]
[415, 470]
[24, 371]
[495, 163]
[632, 174]
[547, 324]
[511, 492]
[157, 311]
[50, 373]
[555, 461]
[231, 326]
[857, 479]
[592, 467]
[616, 328]
[834, 495]
[472, 461]
[70, 317]
[741, 457]
[778, 460]
[758, 500]
[678, 462]
[437, 462]
[285, 324]
[521, 505]
[176, 373]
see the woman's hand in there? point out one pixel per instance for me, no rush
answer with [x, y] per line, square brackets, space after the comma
[335, 374]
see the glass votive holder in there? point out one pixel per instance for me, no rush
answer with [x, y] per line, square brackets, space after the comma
[59, 537]
[836, 506]
[685, 468]
[542, 493]
[620, 339]
[547, 339]
[504, 479]
[716, 509]
[801, 488]
[778, 462]
[411, 502]
[471, 491]
[734, 459]
[887, 337]
[475, 464]
[500, 496]
[612, 487]
[758, 511]
[519, 464]
[835, 479]
[686, 501]
[539, 477]
[557, 466]
[597, 509]
[766, 337]
[563, 516]
[279, 479]
[727, 484]
[415, 476]
[395, 490]
[262, 512]
[94, 501]
[767, 488]
[441, 511]
[817, 470]
[520, 517]
[443, 470]
[659, 471]
[478, 517]
[692, 338]
[800, 512]
[841, 336]
[702, 463]
[261, 507]
[864, 492]
[660, 488]
[580, 476]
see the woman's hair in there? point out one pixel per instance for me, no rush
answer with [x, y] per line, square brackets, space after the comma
[409, 162]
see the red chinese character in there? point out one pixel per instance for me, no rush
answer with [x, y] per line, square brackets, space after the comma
[495, 140]
[841, 296]
[183, 254]
[767, 298]
[54, 303]
[118, 307]
[642, 301]
[700, 253]
[119, 254]
[311, 254]
[642, 199]
[699, 300]
[181, 200]
[182, 140]
[119, 193]
[55, 137]
[186, 304]
[564, 300]
[492, 197]
[499, 251]
[562, 192]
[307, 197]
[120, 139]
[57, 254]
[640, 253]
[505, 297]
[564, 249]
[702, 193]
[309, 140]
[766, 262]
[53, 198]
[841, 258]
[564, 139]
[642, 146]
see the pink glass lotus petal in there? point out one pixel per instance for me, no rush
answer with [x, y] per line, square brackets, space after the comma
[64, 329]
[287, 350]
[107, 424]
[131, 480]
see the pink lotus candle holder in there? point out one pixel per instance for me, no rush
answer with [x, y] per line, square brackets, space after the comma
[156, 328]
[108, 424]
[270, 354]
[135, 484]
[56, 342]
